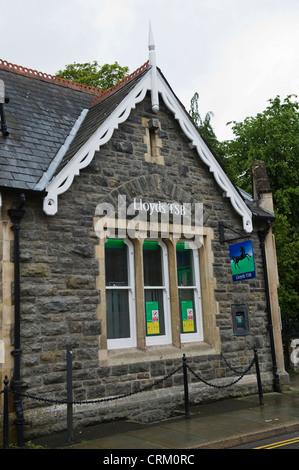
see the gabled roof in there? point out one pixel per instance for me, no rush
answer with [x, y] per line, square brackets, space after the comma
[40, 115]
[43, 116]
[101, 108]
[56, 130]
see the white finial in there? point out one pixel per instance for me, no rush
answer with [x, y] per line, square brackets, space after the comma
[152, 61]
[151, 42]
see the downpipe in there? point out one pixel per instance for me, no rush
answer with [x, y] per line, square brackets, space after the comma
[16, 216]
[262, 236]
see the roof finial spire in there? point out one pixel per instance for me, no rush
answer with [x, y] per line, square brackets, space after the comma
[151, 46]
[152, 61]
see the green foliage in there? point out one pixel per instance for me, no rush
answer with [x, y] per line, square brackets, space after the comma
[273, 137]
[205, 127]
[92, 74]
[28, 445]
[287, 245]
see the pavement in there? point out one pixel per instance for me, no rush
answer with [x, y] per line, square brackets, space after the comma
[219, 425]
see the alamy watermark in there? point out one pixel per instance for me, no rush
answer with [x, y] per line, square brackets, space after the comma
[148, 219]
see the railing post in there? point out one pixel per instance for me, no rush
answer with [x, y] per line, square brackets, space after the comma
[258, 377]
[69, 384]
[186, 391]
[5, 415]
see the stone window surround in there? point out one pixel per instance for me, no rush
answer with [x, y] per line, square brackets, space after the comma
[6, 303]
[152, 141]
[211, 343]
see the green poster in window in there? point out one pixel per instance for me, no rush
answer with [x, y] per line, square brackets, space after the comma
[187, 316]
[152, 318]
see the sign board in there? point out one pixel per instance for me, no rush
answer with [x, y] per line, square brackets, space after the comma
[152, 318]
[242, 261]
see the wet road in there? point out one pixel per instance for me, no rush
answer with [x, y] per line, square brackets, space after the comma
[286, 441]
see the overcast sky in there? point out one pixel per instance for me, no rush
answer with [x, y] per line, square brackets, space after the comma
[235, 53]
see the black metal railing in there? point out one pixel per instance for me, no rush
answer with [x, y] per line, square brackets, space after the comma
[70, 402]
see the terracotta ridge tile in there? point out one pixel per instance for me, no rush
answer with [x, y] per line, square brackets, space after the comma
[128, 78]
[4, 65]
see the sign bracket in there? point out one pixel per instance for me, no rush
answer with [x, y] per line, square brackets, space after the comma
[222, 239]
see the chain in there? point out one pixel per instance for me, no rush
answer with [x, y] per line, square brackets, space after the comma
[102, 400]
[222, 386]
[229, 366]
[148, 387]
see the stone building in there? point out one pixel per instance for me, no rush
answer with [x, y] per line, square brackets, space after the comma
[117, 230]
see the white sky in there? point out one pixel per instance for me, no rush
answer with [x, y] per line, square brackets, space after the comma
[236, 54]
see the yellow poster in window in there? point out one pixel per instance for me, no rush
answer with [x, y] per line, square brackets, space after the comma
[153, 328]
[188, 325]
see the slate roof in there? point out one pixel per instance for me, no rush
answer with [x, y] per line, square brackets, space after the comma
[254, 205]
[40, 116]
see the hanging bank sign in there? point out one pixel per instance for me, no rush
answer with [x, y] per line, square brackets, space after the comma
[242, 261]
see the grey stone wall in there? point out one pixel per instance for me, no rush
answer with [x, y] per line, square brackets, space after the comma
[59, 270]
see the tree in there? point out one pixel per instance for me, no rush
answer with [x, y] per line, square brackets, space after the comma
[273, 136]
[93, 74]
[205, 127]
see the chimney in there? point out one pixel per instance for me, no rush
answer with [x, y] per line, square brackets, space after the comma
[3, 100]
[261, 190]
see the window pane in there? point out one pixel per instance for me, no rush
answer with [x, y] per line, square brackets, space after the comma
[154, 311]
[184, 265]
[152, 264]
[118, 322]
[116, 261]
[187, 310]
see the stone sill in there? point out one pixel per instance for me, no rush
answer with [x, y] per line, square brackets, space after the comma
[158, 353]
